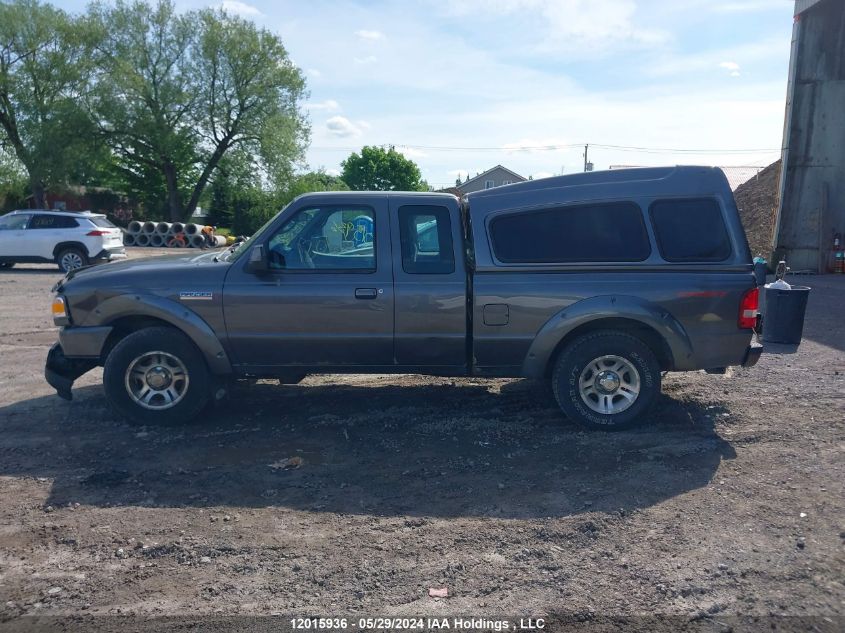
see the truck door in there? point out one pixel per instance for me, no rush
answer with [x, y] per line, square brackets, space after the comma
[327, 300]
[429, 284]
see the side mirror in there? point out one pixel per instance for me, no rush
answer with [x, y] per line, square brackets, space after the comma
[257, 263]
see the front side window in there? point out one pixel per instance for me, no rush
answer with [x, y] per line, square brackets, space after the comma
[691, 230]
[425, 233]
[13, 222]
[602, 232]
[330, 238]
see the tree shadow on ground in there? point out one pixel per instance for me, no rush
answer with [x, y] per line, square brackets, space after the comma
[427, 449]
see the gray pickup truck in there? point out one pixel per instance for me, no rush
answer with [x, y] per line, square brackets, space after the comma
[597, 282]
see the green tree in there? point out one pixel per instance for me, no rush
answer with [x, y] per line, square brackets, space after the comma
[13, 182]
[179, 91]
[45, 59]
[379, 169]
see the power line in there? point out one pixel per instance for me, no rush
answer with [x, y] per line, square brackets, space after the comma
[540, 148]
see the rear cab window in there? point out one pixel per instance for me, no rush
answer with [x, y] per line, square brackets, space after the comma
[425, 234]
[690, 230]
[599, 232]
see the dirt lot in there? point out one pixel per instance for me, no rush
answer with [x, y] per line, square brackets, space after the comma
[729, 503]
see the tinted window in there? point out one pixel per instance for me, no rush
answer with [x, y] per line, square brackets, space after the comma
[13, 222]
[326, 238]
[103, 223]
[611, 232]
[690, 230]
[426, 236]
[43, 222]
[53, 222]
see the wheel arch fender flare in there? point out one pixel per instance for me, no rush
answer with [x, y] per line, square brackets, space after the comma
[594, 309]
[58, 248]
[187, 321]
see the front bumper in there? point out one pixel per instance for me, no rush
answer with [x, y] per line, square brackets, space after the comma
[752, 354]
[60, 371]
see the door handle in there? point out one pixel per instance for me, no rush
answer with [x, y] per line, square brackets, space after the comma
[365, 293]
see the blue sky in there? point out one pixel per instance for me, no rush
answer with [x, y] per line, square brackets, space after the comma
[489, 78]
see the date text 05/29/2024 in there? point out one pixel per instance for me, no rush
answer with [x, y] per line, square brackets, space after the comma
[417, 624]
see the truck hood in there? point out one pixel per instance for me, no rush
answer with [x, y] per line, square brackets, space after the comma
[149, 272]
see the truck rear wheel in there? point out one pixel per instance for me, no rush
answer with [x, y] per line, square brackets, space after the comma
[606, 380]
[157, 376]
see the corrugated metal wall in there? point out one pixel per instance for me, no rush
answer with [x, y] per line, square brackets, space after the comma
[812, 206]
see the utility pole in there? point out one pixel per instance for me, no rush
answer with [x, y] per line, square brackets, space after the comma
[588, 166]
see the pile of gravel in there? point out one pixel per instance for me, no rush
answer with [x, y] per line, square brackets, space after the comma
[757, 200]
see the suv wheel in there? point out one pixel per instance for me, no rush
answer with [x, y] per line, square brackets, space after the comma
[70, 259]
[157, 376]
[606, 380]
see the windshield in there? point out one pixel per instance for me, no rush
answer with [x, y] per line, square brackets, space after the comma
[239, 249]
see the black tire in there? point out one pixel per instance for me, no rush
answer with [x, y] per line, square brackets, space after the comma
[172, 342]
[64, 256]
[573, 363]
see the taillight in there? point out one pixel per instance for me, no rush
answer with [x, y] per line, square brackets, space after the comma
[96, 233]
[748, 306]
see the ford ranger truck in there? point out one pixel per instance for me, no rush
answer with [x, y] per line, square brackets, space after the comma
[596, 282]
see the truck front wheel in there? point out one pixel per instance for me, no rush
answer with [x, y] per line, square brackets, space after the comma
[157, 376]
[606, 380]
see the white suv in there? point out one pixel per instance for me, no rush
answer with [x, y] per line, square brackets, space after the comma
[69, 239]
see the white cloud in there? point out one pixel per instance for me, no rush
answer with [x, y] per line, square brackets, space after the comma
[573, 26]
[410, 152]
[342, 127]
[743, 6]
[542, 174]
[369, 59]
[364, 34]
[333, 172]
[236, 7]
[733, 67]
[763, 53]
[535, 145]
[313, 72]
[329, 105]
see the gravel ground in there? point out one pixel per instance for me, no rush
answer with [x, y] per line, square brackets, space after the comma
[728, 504]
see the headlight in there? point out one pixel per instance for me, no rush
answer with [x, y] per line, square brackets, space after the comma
[60, 312]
